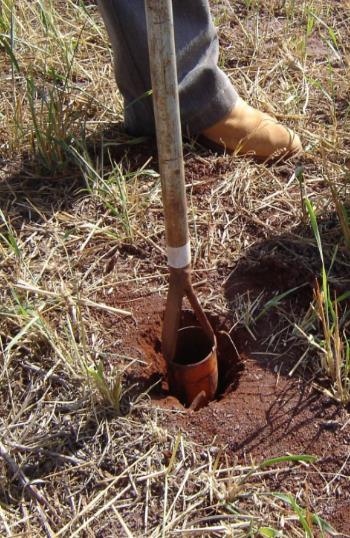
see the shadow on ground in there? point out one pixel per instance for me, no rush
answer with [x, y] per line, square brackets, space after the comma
[32, 193]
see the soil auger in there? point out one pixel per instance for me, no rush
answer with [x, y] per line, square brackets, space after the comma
[190, 352]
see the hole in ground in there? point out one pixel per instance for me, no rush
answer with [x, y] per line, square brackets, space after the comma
[230, 366]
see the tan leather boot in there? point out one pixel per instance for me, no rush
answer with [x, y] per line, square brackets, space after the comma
[247, 131]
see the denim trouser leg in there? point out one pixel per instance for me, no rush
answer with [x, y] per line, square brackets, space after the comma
[206, 94]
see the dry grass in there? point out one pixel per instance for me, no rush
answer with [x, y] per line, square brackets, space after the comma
[70, 465]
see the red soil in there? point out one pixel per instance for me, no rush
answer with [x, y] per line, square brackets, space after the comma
[261, 411]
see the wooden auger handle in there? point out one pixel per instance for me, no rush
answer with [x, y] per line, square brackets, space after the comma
[161, 44]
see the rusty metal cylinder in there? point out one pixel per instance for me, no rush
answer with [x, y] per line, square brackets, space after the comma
[193, 374]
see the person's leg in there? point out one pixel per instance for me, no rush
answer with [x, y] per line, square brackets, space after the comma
[206, 94]
[209, 103]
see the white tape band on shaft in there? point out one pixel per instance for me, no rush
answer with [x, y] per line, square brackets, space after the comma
[179, 257]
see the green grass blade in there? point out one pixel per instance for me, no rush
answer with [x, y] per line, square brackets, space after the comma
[324, 526]
[272, 303]
[22, 333]
[297, 458]
[314, 226]
[4, 42]
[269, 532]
